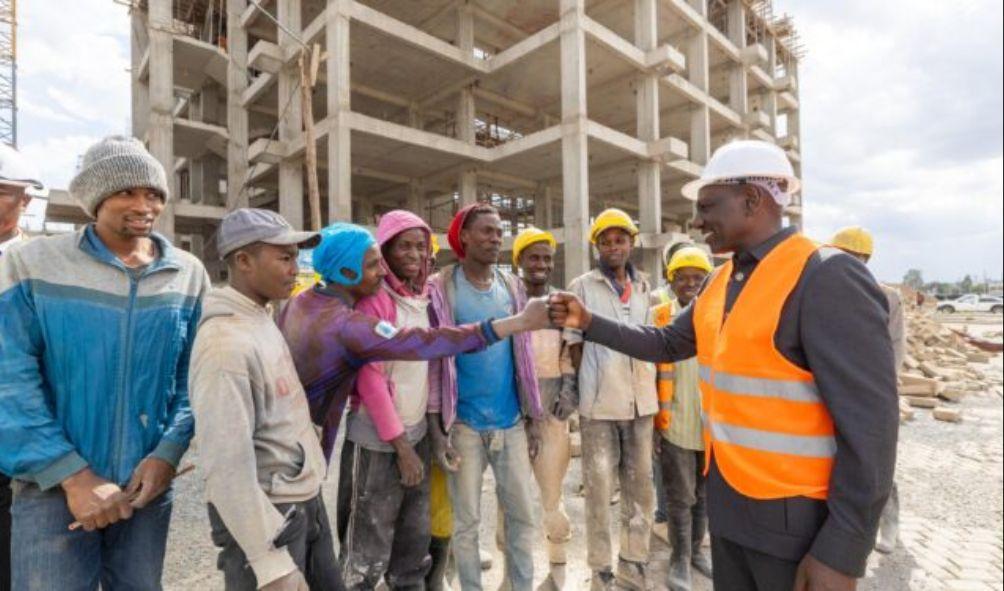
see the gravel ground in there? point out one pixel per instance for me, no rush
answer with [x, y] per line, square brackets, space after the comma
[950, 480]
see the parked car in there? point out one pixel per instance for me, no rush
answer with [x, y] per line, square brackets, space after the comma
[972, 303]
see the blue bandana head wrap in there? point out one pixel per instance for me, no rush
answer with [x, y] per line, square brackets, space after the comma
[343, 246]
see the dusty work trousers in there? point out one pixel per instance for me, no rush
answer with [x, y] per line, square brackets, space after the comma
[307, 538]
[549, 469]
[506, 451]
[738, 568]
[623, 448]
[386, 524]
[684, 482]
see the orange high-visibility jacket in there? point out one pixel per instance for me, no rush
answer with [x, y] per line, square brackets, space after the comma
[665, 377]
[765, 423]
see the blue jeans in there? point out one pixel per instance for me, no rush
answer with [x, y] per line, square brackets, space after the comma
[506, 451]
[46, 555]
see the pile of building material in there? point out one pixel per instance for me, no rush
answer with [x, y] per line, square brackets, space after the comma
[940, 366]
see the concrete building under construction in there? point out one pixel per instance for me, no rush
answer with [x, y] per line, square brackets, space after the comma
[550, 109]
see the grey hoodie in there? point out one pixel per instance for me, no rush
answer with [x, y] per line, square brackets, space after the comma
[256, 443]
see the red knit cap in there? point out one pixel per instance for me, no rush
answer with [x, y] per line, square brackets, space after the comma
[453, 233]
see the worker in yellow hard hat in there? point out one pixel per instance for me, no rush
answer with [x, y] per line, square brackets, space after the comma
[858, 242]
[616, 402]
[855, 241]
[680, 484]
[665, 293]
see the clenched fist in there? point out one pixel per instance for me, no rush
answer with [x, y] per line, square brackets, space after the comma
[568, 311]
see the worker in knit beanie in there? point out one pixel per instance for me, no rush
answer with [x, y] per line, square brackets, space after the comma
[115, 164]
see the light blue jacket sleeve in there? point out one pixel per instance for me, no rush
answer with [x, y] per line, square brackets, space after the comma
[33, 445]
[180, 423]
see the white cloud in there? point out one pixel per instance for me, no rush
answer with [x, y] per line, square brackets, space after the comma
[56, 157]
[902, 130]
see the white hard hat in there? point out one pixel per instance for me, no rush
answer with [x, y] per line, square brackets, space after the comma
[15, 169]
[745, 159]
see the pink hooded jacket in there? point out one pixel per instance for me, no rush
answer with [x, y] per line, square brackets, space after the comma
[373, 389]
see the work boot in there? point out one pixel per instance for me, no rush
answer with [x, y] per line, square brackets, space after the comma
[680, 557]
[631, 575]
[603, 580]
[555, 580]
[888, 534]
[439, 550]
[698, 559]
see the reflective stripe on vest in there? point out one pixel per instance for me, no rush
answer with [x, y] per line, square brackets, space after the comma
[665, 377]
[766, 426]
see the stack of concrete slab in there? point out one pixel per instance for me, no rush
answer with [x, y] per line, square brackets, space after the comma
[940, 367]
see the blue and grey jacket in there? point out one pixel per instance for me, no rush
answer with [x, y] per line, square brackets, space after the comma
[94, 358]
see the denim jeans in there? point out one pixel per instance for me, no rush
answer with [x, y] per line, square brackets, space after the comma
[47, 555]
[506, 452]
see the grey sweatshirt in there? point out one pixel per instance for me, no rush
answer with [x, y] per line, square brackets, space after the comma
[256, 443]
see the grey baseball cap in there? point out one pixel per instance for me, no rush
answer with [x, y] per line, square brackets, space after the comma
[248, 225]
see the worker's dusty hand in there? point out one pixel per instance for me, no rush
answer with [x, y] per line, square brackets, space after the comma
[535, 314]
[534, 438]
[813, 575]
[567, 400]
[567, 311]
[443, 452]
[95, 502]
[293, 581]
[410, 465]
[149, 480]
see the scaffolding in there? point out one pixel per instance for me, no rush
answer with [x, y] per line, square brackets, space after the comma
[8, 72]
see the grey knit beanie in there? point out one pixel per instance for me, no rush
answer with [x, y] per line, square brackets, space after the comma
[114, 164]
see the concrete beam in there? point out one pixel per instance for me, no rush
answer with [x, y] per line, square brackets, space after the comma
[524, 48]
[265, 56]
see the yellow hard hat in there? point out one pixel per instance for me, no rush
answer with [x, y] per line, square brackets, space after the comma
[530, 236]
[854, 239]
[435, 244]
[688, 256]
[612, 218]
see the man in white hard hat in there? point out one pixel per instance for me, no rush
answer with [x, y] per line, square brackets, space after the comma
[797, 379]
[19, 181]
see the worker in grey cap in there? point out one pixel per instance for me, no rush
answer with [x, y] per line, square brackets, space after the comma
[260, 453]
[95, 336]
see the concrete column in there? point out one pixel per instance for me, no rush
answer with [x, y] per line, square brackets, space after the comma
[465, 27]
[415, 117]
[339, 93]
[543, 200]
[160, 132]
[291, 126]
[649, 171]
[237, 115]
[468, 187]
[465, 116]
[204, 171]
[738, 85]
[697, 73]
[140, 90]
[416, 198]
[770, 95]
[574, 143]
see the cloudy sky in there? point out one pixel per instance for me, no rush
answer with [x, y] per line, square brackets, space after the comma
[901, 117]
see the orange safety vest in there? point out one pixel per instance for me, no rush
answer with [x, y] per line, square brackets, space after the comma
[764, 421]
[665, 377]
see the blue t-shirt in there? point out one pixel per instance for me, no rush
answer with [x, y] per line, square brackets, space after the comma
[486, 380]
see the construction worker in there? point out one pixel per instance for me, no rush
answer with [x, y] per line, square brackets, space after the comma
[857, 242]
[95, 336]
[679, 439]
[386, 460]
[797, 381]
[259, 451]
[533, 255]
[330, 341]
[19, 182]
[616, 399]
[488, 402]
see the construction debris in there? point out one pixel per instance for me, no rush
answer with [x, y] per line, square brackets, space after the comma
[941, 365]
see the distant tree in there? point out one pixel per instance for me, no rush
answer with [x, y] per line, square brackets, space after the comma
[966, 285]
[914, 279]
